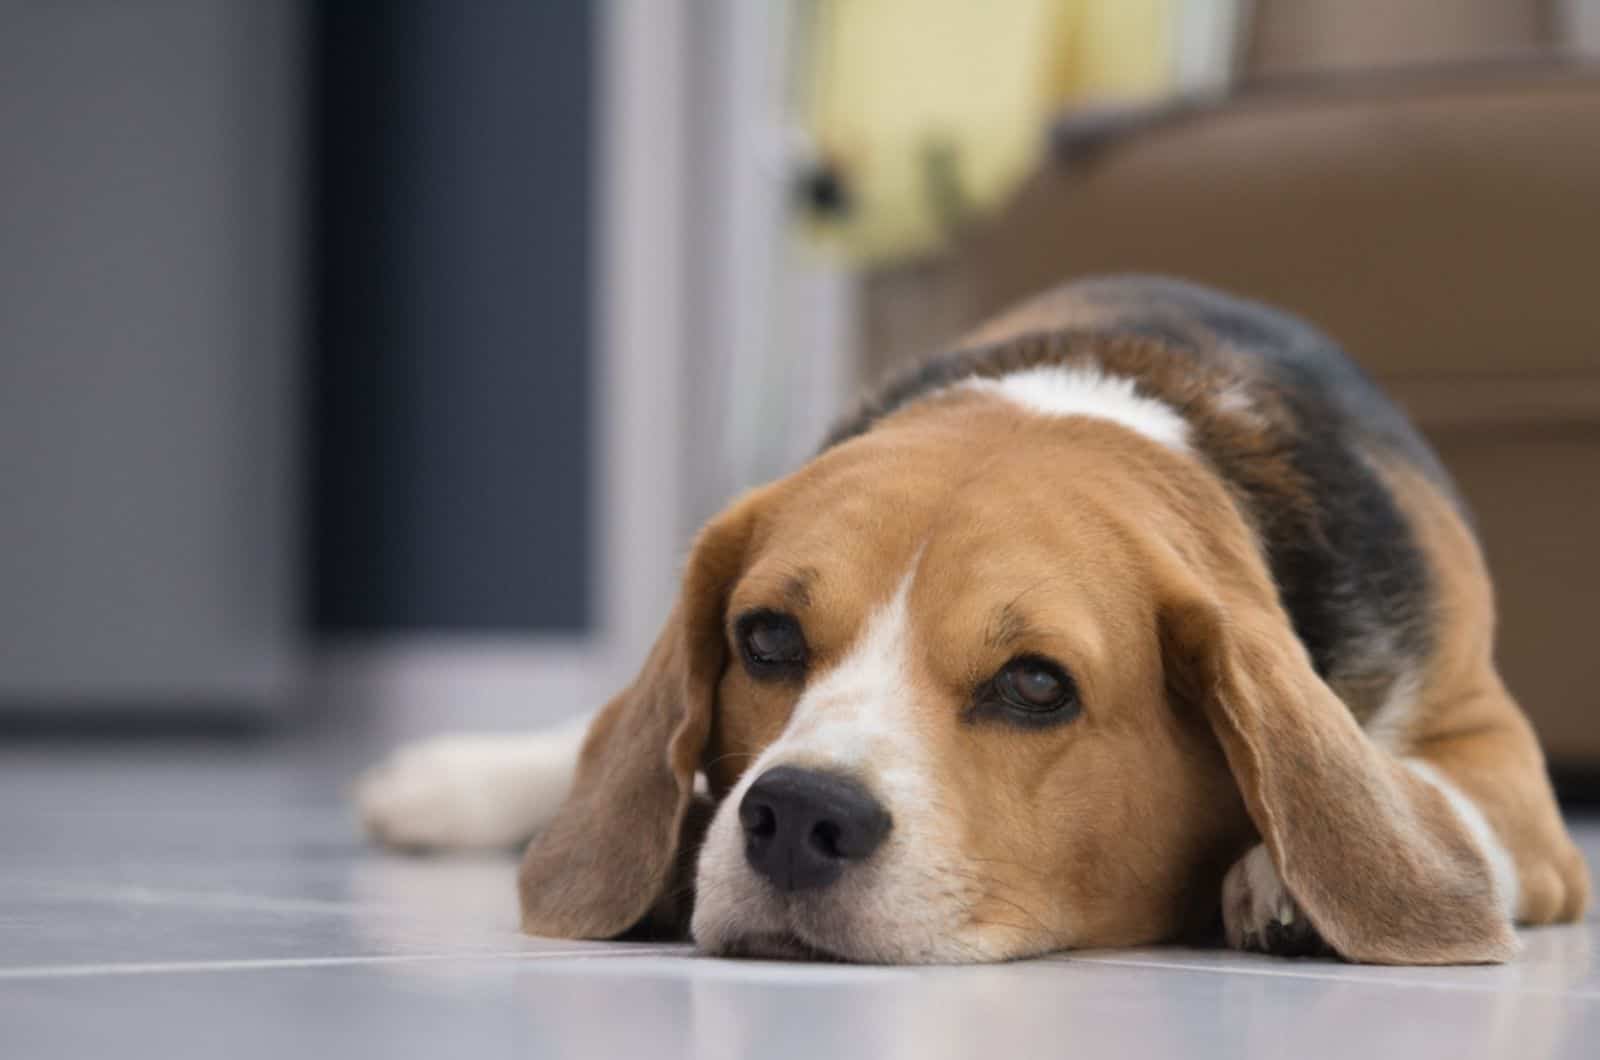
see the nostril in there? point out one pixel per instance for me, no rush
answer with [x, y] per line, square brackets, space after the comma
[824, 839]
[759, 820]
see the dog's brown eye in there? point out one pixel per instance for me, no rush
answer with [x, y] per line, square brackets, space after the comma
[772, 644]
[1035, 687]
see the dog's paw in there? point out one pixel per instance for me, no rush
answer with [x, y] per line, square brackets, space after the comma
[465, 792]
[1259, 914]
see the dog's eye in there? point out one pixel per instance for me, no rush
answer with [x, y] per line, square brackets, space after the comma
[1035, 688]
[772, 644]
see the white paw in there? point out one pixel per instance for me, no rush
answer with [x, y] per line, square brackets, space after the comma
[467, 792]
[1258, 913]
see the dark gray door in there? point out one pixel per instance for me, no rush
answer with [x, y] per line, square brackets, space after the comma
[452, 427]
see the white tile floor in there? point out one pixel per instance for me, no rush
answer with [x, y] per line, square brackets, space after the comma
[220, 904]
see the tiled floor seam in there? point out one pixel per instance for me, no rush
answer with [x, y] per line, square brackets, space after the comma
[83, 971]
[160, 896]
[1342, 976]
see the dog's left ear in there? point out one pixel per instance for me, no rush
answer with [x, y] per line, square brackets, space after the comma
[619, 851]
[1372, 853]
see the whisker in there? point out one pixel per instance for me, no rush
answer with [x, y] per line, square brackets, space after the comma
[977, 922]
[993, 889]
[729, 756]
[1031, 870]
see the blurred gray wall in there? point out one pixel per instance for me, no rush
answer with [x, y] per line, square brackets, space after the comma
[149, 215]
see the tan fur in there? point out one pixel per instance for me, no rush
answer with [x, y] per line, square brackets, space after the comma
[1468, 726]
[1372, 854]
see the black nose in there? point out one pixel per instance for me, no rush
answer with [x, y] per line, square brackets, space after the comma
[802, 826]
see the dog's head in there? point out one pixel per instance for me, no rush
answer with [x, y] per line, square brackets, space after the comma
[970, 686]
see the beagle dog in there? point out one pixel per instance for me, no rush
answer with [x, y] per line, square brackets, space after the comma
[1141, 616]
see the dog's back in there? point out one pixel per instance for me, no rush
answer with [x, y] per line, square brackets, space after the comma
[1294, 426]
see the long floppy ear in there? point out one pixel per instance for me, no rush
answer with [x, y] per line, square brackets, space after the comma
[619, 849]
[1373, 854]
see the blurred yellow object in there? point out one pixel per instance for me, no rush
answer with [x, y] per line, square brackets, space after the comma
[926, 112]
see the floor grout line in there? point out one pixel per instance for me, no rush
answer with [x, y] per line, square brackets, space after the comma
[83, 971]
[77, 971]
[168, 896]
[178, 897]
[183, 898]
[1341, 976]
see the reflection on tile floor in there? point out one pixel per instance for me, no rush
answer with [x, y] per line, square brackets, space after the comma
[222, 904]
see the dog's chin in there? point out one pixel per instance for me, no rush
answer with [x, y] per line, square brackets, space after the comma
[794, 937]
[783, 932]
[776, 946]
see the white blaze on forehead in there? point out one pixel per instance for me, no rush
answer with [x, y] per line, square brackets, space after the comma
[1083, 390]
[859, 716]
